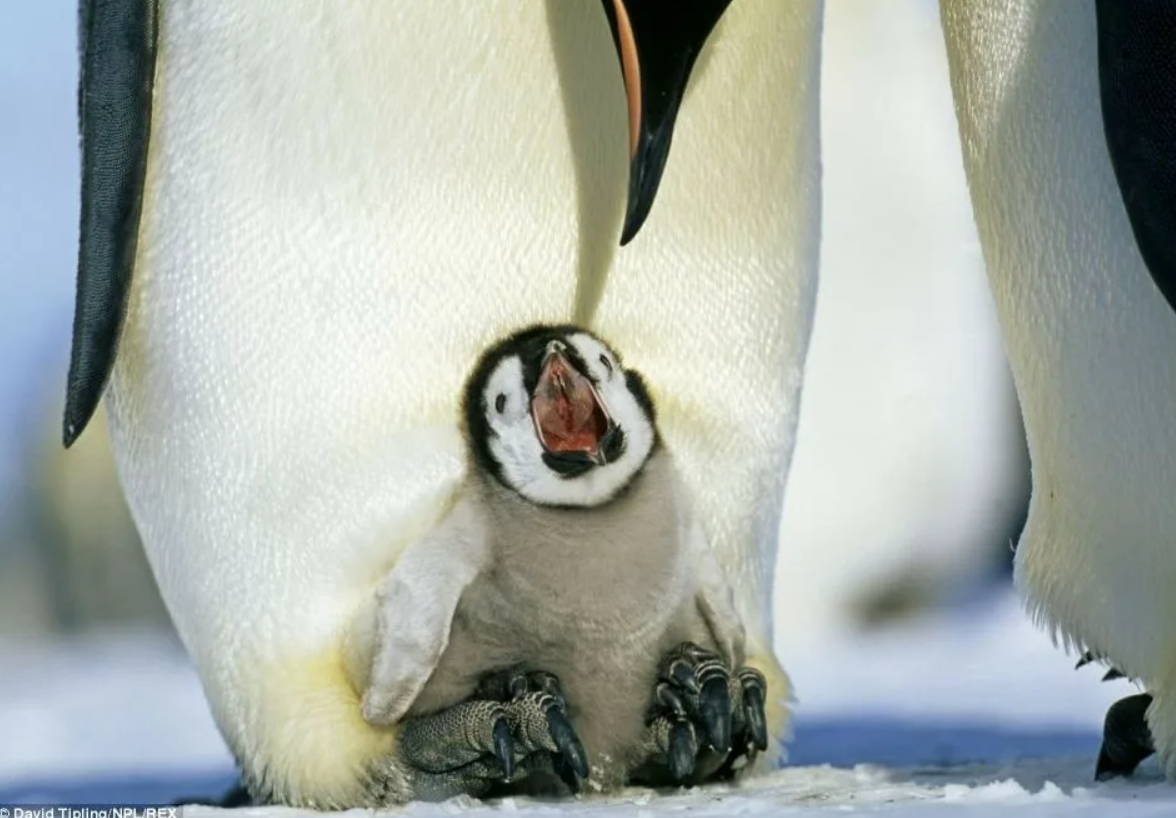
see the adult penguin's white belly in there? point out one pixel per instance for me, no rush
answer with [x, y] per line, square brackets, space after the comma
[908, 467]
[343, 204]
[1090, 337]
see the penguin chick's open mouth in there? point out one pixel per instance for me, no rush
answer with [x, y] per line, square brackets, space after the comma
[570, 418]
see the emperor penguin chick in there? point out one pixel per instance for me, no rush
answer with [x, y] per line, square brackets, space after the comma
[566, 620]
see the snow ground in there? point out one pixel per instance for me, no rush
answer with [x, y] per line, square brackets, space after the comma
[972, 713]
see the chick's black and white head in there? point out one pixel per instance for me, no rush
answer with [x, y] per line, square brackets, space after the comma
[552, 414]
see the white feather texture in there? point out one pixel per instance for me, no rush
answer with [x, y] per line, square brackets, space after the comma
[1089, 336]
[345, 203]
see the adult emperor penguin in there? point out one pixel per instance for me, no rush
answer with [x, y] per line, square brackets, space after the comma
[1067, 119]
[299, 219]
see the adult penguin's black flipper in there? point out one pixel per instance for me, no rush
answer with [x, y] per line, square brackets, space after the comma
[1137, 80]
[116, 58]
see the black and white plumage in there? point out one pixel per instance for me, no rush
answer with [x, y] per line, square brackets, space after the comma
[1066, 120]
[322, 207]
[566, 619]
[505, 444]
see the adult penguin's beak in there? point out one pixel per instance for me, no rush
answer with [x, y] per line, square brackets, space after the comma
[657, 42]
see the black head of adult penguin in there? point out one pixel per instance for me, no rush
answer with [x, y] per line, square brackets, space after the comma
[657, 43]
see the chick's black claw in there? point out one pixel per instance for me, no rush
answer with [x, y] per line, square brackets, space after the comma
[682, 750]
[674, 742]
[517, 686]
[679, 672]
[715, 712]
[538, 709]
[548, 683]
[667, 700]
[757, 723]
[503, 747]
[753, 686]
[1127, 739]
[567, 743]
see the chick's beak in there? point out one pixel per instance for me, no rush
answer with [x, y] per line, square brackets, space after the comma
[568, 414]
[657, 43]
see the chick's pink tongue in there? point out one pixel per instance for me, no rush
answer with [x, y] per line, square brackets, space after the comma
[568, 418]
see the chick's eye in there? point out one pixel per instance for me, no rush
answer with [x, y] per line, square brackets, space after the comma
[500, 403]
[607, 363]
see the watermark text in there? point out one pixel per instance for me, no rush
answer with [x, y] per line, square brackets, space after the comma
[46, 811]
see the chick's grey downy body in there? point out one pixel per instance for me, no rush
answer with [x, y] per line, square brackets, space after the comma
[566, 620]
[596, 596]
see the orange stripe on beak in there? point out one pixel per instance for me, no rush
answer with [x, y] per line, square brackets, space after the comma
[631, 69]
[657, 42]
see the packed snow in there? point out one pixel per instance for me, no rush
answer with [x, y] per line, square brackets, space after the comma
[971, 712]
